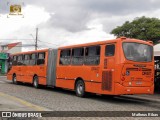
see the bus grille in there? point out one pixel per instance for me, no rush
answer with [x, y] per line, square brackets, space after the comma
[137, 69]
[107, 80]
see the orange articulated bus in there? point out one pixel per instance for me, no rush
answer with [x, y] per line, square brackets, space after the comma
[113, 67]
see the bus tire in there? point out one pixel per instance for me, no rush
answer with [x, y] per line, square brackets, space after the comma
[35, 82]
[14, 79]
[80, 88]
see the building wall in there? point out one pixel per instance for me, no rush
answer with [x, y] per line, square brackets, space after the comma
[3, 63]
[15, 49]
[11, 49]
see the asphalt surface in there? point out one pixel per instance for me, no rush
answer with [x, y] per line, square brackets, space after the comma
[64, 100]
[50, 99]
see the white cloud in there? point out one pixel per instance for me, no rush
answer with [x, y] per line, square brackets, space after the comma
[94, 28]
[17, 27]
[61, 37]
[33, 16]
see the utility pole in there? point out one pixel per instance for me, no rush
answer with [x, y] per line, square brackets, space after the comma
[36, 39]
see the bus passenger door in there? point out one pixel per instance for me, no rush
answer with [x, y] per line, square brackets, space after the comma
[109, 67]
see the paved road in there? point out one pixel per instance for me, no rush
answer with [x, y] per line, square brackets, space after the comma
[63, 100]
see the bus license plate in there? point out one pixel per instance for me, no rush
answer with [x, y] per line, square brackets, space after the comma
[139, 83]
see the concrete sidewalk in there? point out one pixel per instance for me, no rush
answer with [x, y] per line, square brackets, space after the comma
[11, 103]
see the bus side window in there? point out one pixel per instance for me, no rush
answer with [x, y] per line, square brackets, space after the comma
[110, 50]
[92, 55]
[41, 59]
[14, 60]
[20, 60]
[65, 57]
[33, 59]
[78, 56]
[26, 59]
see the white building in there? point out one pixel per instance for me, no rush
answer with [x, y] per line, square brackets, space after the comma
[11, 48]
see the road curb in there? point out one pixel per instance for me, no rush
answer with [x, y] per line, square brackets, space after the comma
[146, 98]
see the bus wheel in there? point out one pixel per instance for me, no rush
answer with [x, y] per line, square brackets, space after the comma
[80, 88]
[14, 79]
[35, 82]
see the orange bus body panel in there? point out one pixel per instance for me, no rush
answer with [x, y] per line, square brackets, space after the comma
[113, 75]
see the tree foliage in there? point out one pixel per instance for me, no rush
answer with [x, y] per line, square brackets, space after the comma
[143, 28]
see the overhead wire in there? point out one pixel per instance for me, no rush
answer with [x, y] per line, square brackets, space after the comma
[48, 44]
[16, 39]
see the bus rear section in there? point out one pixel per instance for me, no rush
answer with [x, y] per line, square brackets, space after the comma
[29, 67]
[137, 69]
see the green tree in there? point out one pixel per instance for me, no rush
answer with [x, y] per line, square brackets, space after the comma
[143, 28]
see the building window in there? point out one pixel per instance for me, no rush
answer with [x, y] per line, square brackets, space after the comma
[65, 57]
[78, 56]
[92, 55]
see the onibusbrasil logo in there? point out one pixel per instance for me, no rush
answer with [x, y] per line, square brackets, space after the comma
[15, 9]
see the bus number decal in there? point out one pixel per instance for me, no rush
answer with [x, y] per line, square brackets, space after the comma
[96, 69]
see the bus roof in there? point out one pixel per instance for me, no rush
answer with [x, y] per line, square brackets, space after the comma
[107, 41]
[91, 44]
[29, 52]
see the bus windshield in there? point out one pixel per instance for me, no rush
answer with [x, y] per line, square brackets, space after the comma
[138, 52]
